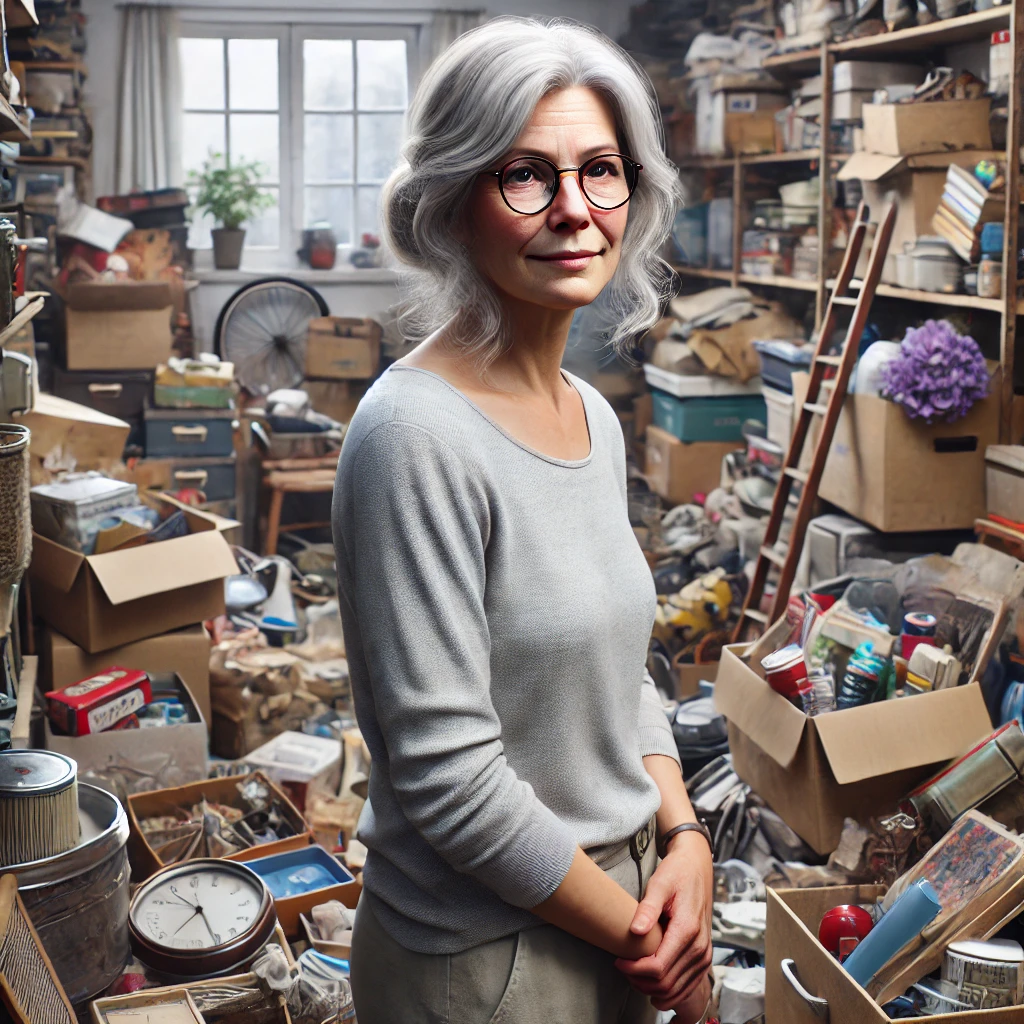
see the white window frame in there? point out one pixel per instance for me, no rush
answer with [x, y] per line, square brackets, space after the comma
[291, 29]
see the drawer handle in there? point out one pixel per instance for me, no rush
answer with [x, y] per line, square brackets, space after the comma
[189, 433]
[818, 1005]
[106, 389]
[200, 476]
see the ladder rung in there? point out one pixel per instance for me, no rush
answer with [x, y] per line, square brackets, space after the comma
[753, 613]
[773, 556]
[844, 300]
[818, 410]
[830, 383]
[830, 360]
[796, 474]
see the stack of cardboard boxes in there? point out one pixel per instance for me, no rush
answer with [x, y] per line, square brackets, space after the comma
[342, 358]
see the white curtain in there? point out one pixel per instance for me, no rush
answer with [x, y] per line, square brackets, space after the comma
[446, 27]
[148, 152]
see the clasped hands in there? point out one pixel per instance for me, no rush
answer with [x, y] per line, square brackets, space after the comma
[679, 895]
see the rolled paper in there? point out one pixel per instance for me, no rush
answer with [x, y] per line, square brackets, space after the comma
[907, 917]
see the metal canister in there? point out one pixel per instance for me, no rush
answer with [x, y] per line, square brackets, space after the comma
[990, 279]
[78, 900]
[8, 270]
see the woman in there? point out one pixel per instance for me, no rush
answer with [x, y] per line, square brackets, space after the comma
[496, 606]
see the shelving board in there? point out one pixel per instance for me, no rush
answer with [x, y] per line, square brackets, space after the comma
[891, 291]
[699, 163]
[793, 283]
[796, 63]
[55, 65]
[948, 32]
[705, 272]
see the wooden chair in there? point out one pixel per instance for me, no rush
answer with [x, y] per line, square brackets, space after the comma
[295, 476]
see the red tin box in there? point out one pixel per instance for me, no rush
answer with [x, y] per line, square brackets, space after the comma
[99, 702]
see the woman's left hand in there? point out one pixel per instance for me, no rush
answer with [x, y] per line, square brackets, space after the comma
[680, 891]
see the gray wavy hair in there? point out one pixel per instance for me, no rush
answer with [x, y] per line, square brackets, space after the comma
[471, 105]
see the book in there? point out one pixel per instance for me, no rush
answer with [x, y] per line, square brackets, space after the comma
[967, 182]
[977, 871]
[962, 241]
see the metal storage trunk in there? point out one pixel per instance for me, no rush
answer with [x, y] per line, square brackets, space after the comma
[706, 419]
[214, 477]
[120, 393]
[186, 433]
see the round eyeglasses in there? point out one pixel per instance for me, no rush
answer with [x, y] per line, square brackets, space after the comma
[529, 184]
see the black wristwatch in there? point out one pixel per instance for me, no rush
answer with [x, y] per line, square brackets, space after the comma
[700, 826]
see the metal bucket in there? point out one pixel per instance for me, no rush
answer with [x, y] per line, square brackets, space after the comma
[78, 900]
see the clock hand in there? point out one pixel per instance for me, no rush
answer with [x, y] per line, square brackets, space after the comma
[183, 900]
[202, 913]
[197, 911]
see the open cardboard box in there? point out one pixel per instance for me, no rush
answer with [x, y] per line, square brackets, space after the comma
[145, 860]
[103, 601]
[185, 651]
[804, 984]
[816, 772]
[689, 676]
[168, 754]
[899, 474]
[903, 129]
[918, 182]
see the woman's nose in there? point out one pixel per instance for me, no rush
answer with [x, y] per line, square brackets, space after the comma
[569, 208]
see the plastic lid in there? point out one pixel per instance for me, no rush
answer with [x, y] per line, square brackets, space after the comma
[35, 773]
[786, 658]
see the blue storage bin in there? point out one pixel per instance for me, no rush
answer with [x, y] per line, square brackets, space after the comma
[706, 419]
[187, 433]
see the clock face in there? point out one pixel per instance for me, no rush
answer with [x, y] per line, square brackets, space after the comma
[198, 907]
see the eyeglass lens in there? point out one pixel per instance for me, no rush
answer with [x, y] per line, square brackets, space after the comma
[529, 183]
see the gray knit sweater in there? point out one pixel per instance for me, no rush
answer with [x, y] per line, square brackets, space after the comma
[497, 610]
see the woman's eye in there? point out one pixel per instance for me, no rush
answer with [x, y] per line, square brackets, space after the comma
[601, 171]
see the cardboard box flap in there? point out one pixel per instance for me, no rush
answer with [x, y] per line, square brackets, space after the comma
[59, 566]
[869, 167]
[167, 565]
[774, 724]
[87, 295]
[64, 409]
[911, 732]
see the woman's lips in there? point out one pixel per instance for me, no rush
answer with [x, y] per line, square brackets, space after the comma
[568, 260]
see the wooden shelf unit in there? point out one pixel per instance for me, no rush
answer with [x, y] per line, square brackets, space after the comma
[890, 46]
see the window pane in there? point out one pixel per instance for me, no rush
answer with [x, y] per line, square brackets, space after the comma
[264, 229]
[383, 73]
[380, 139]
[367, 211]
[327, 74]
[252, 74]
[334, 205]
[202, 134]
[328, 147]
[202, 73]
[199, 226]
[255, 137]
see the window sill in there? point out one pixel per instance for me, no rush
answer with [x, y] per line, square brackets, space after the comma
[347, 276]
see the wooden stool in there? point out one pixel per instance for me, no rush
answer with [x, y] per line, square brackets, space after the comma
[295, 476]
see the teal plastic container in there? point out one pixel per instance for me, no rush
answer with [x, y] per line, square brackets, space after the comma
[707, 419]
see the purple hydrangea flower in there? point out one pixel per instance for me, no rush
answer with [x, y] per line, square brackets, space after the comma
[938, 374]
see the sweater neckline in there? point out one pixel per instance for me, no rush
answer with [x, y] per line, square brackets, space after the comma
[565, 463]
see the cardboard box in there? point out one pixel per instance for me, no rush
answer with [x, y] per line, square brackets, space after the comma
[918, 182]
[342, 348]
[143, 857]
[169, 755]
[68, 436]
[291, 908]
[903, 129]
[677, 471]
[690, 676]
[185, 651]
[338, 399]
[300, 764]
[104, 601]
[815, 772]
[122, 326]
[791, 946]
[899, 474]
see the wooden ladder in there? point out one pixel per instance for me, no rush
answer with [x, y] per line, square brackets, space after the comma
[824, 360]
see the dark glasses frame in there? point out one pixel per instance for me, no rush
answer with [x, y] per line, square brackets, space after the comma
[559, 171]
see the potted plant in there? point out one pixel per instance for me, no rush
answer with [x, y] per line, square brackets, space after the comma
[231, 194]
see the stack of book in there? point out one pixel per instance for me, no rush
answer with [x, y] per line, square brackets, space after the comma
[965, 206]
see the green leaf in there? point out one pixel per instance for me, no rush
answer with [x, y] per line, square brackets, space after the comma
[230, 193]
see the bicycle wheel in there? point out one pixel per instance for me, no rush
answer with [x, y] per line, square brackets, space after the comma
[262, 330]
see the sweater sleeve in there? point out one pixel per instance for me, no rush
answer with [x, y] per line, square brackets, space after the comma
[655, 732]
[417, 547]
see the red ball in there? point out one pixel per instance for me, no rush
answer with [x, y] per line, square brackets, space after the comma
[845, 922]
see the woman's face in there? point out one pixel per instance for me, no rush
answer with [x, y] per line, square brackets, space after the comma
[563, 256]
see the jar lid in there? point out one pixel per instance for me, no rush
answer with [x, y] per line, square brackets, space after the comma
[35, 773]
[786, 658]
